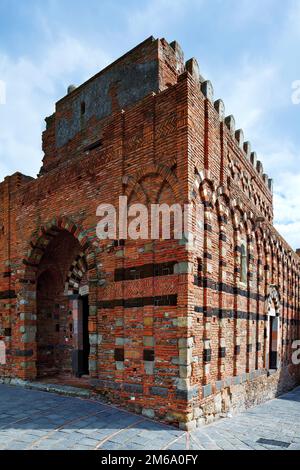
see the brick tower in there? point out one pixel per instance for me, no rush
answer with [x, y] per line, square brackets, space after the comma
[179, 330]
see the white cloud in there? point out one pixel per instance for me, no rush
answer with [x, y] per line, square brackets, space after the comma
[248, 92]
[157, 16]
[246, 11]
[290, 232]
[293, 20]
[32, 87]
[256, 92]
[287, 197]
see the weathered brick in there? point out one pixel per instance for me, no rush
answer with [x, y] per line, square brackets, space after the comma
[145, 127]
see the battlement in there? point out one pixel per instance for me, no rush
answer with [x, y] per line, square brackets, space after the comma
[163, 324]
[150, 67]
[238, 135]
[16, 180]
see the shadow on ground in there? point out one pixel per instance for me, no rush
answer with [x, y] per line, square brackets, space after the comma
[31, 419]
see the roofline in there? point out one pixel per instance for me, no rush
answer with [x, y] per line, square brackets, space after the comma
[149, 40]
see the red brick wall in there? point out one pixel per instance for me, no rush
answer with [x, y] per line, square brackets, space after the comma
[206, 328]
[237, 207]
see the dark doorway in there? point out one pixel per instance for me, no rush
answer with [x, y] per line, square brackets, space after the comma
[53, 352]
[80, 357]
[272, 346]
[56, 336]
[85, 334]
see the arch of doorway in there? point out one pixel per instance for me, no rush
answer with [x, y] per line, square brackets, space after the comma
[27, 299]
[273, 329]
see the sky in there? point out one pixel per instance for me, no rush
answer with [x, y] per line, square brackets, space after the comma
[249, 49]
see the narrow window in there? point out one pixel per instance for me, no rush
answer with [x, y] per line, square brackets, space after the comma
[82, 108]
[244, 264]
[95, 146]
[149, 355]
[119, 355]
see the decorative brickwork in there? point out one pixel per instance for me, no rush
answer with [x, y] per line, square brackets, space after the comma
[188, 330]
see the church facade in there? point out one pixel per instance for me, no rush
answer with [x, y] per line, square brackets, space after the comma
[182, 330]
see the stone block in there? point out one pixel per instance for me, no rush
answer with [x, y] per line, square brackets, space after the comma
[176, 416]
[206, 390]
[93, 339]
[92, 365]
[218, 403]
[198, 412]
[185, 371]
[185, 356]
[183, 268]
[149, 341]
[159, 391]
[93, 311]
[133, 388]
[148, 412]
[149, 367]
[219, 384]
[122, 341]
[189, 426]
[186, 343]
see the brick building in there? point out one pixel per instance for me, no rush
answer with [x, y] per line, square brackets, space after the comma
[181, 330]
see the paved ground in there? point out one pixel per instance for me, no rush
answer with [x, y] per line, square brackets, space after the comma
[31, 419]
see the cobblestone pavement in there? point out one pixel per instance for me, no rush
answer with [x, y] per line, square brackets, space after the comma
[31, 419]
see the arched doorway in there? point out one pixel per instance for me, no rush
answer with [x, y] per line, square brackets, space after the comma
[48, 323]
[62, 337]
[273, 329]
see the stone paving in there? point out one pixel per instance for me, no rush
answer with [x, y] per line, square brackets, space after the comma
[31, 419]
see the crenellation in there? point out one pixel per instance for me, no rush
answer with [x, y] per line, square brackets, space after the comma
[259, 167]
[265, 178]
[220, 108]
[230, 123]
[270, 184]
[253, 158]
[208, 90]
[179, 56]
[247, 149]
[239, 135]
[71, 88]
[192, 67]
[179, 330]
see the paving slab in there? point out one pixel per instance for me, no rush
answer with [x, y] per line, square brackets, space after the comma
[33, 418]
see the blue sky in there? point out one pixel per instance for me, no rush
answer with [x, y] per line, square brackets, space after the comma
[249, 49]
